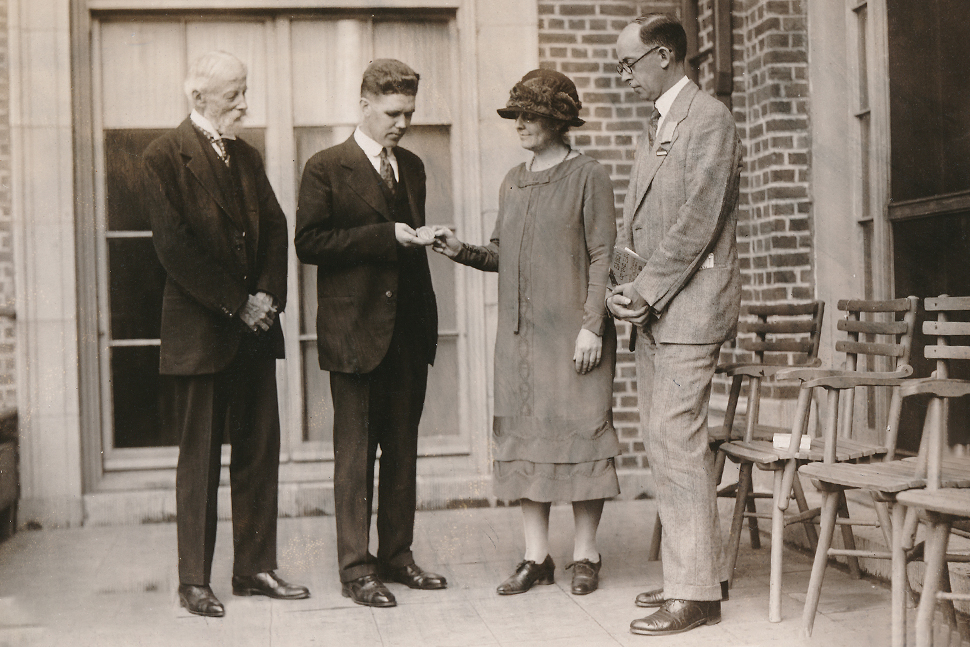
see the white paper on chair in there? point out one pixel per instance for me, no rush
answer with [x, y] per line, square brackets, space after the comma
[783, 441]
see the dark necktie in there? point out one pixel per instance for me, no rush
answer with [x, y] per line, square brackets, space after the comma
[654, 120]
[220, 145]
[387, 172]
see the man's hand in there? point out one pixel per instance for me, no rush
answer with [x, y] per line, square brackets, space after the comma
[258, 312]
[589, 351]
[626, 304]
[407, 237]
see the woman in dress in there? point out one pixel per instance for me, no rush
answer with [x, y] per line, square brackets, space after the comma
[555, 350]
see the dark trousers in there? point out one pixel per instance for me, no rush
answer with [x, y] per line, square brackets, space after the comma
[378, 409]
[238, 404]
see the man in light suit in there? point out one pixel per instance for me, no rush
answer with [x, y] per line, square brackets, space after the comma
[680, 215]
[221, 237]
[361, 204]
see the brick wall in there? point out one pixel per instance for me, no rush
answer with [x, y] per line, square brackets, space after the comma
[8, 390]
[770, 105]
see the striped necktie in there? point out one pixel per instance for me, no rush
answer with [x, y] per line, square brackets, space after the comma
[218, 144]
[387, 172]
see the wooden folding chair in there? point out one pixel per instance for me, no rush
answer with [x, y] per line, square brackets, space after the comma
[895, 339]
[786, 335]
[939, 506]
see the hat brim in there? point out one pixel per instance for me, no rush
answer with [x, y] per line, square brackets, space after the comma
[513, 113]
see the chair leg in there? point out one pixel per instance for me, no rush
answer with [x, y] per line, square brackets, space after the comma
[899, 578]
[830, 508]
[737, 520]
[654, 554]
[949, 613]
[809, 526]
[848, 539]
[777, 544]
[752, 507]
[937, 537]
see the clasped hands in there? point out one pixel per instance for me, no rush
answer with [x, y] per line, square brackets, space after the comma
[626, 304]
[259, 311]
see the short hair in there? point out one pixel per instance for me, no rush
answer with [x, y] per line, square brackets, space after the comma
[664, 30]
[389, 76]
[209, 66]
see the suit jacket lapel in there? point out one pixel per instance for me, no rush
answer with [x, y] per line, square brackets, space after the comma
[198, 165]
[649, 167]
[361, 178]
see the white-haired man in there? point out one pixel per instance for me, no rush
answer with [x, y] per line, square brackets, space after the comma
[221, 236]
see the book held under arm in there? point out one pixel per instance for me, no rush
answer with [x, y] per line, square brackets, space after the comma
[626, 266]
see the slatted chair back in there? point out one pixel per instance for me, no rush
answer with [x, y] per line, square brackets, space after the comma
[951, 346]
[775, 328]
[876, 337]
[785, 334]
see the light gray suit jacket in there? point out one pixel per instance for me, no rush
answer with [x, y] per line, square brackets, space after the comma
[681, 207]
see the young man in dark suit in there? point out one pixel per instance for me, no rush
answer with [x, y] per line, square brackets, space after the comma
[361, 204]
[221, 237]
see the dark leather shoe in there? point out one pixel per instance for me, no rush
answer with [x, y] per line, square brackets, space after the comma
[655, 598]
[269, 584]
[586, 576]
[414, 577]
[368, 591]
[527, 574]
[201, 601]
[678, 616]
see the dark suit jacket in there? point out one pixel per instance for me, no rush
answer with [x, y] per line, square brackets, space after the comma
[344, 227]
[215, 256]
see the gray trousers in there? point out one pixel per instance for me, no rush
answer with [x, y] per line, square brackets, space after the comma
[674, 389]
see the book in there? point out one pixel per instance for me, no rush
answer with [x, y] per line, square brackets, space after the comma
[783, 440]
[626, 266]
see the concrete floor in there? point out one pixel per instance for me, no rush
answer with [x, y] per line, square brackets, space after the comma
[110, 586]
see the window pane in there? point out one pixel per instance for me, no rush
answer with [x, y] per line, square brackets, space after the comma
[135, 284]
[140, 420]
[123, 169]
[328, 58]
[426, 47]
[440, 418]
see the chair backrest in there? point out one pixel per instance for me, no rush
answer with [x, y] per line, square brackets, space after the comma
[945, 351]
[783, 328]
[876, 338]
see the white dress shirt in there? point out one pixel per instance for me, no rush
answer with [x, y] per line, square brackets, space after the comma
[667, 99]
[373, 152]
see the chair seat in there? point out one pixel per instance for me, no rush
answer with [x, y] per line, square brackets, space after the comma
[894, 476]
[945, 501]
[763, 452]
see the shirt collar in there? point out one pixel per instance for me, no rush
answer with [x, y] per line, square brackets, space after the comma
[667, 98]
[370, 147]
[206, 125]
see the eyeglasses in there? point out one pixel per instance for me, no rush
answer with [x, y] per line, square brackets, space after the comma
[623, 66]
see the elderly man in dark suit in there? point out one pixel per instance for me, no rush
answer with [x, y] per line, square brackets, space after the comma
[680, 215]
[221, 237]
[360, 212]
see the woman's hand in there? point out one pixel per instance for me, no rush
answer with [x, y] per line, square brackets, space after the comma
[589, 351]
[445, 242]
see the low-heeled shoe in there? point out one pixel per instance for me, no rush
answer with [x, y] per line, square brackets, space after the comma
[269, 584]
[655, 598]
[414, 577]
[527, 574]
[369, 591]
[201, 601]
[678, 616]
[586, 576]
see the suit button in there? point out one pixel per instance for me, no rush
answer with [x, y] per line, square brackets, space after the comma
[238, 246]
[245, 277]
[388, 294]
[244, 234]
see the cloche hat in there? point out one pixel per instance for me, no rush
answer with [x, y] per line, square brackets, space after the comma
[546, 93]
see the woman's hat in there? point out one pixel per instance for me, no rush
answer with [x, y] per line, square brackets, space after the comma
[546, 93]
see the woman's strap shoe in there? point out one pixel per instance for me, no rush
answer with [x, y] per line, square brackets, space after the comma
[586, 576]
[527, 574]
